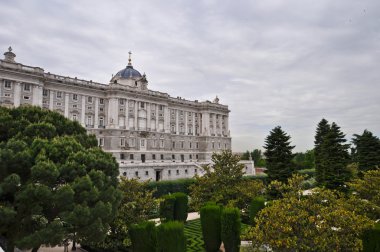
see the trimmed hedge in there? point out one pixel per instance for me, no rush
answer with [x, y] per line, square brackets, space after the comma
[256, 205]
[143, 237]
[167, 206]
[170, 186]
[230, 229]
[309, 172]
[371, 239]
[171, 237]
[211, 227]
[180, 206]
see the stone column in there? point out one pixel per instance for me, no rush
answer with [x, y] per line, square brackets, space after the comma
[113, 116]
[214, 123]
[166, 119]
[148, 116]
[83, 112]
[37, 96]
[186, 126]
[136, 114]
[205, 124]
[157, 117]
[127, 114]
[17, 95]
[193, 120]
[51, 99]
[227, 126]
[177, 121]
[96, 119]
[67, 105]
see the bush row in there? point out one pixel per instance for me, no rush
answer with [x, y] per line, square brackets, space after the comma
[174, 207]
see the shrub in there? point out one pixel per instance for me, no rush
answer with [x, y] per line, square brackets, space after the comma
[171, 237]
[371, 239]
[180, 206]
[170, 186]
[167, 208]
[210, 222]
[230, 229]
[143, 237]
[257, 204]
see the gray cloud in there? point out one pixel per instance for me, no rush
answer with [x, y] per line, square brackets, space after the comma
[286, 63]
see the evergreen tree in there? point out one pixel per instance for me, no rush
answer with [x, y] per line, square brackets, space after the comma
[322, 129]
[334, 158]
[366, 151]
[256, 156]
[278, 152]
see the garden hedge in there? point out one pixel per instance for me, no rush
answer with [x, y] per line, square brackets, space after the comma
[230, 229]
[143, 237]
[170, 186]
[167, 206]
[371, 239]
[171, 237]
[211, 227]
[256, 205]
[180, 206]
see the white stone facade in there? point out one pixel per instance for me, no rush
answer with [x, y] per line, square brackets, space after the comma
[151, 134]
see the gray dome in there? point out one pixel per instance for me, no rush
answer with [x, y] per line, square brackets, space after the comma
[128, 72]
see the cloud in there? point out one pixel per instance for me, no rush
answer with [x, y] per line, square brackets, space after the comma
[286, 63]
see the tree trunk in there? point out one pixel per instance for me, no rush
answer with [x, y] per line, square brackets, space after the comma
[74, 246]
[35, 249]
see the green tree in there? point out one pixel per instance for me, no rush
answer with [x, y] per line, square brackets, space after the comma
[245, 155]
[322, 221]
[223, 183]
[304, 160]
[322, 129]
[55, 182]
[335, 158]
[366, 151]
[278, 153]
[256, 156]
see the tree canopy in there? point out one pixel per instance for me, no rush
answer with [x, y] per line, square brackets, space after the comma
[55, 183]
[278, 153]
[366, 151]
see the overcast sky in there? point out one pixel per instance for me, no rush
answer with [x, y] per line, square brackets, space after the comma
[287, 63]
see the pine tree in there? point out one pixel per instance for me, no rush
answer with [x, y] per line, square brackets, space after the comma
[366, 151]
[334, 158]
[322, 129]
[278, 152]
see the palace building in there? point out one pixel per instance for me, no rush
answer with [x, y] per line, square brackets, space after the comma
[151, 134]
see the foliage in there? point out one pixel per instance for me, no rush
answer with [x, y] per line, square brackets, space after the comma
[167, 208]
[304, 161]
[170, 186]
[171, 237]
[211, 227]
[257, 204]
[371, 239]
[137, 205]
[143, 236]
[223, 183]
[181, 206]
[322, 221]
[323, 128]
[193, 233]
[367, 188]
[366, 151]
[278, 153]
[256, 156]
[230, 229]
[55, 183]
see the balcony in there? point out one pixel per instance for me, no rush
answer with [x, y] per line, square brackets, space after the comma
[89, 126]
[101, 127]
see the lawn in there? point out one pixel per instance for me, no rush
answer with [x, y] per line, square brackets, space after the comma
[193, 234]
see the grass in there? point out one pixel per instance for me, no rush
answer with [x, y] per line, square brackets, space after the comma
[193, 232]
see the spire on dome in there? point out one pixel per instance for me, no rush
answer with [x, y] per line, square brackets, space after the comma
[129, 59]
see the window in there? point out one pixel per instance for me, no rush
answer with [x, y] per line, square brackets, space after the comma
[154, 143]
[89, 120]
[122, 156]
[146, 173]
[121, 110]
[225, 146]
[185, 171]
[8, 84]
[122, 142]
[26, 87]
[190, 145]
[162, 156]
[121, 102]
[89, 99]
[75, 106]
[89, 108]
[75, 97]
[213, 145]
[75, 117]
[196, 156]
[219, 145]
[154, 156]
[45, 92]
[101, 109]
[162, 143]
[7, 95]
[142, 104]
[131, 142]
[26, 97]
[161, 107]
[101, 121]
[197, 145]
[173, 144]
[169, 172]
[136, 173]
[124, 174]
[142, 143]
[195, 171]
[177, 171]
[59, 94]
[173, 157]
[191, 156]
[101, 141]
[59, 104]
[182, 144]
[101, 101]
[131, 156]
